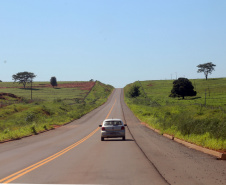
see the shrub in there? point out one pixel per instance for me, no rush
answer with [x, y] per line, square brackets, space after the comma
[53, 81]
[33, 129]
[134, 91]
[30, 117]
[181, 88]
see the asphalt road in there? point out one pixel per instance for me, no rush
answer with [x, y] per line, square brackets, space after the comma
[75, 154]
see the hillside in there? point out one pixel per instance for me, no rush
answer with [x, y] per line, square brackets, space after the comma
[200, 119]
[49, 107]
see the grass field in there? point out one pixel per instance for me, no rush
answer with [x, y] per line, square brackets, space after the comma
[213, 89]
[17, 85]
[200, 119]
[47, 94]
[44, 93]
[49, 107]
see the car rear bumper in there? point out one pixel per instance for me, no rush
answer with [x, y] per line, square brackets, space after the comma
[111, 134]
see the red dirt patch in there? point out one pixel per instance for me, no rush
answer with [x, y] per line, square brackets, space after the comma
[3, 96]
[56, 126]
[81, 85]
[150, 85]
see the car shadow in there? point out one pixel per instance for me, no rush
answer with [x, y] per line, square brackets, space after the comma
[109, 139]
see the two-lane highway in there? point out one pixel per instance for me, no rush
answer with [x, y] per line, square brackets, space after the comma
[71, 155]
[75, 154]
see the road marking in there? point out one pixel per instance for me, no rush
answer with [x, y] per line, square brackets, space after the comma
[20, 173]
[111, 109]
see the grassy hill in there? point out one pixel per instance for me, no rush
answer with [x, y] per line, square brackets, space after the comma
[200, 119]
[20, 116]
[43, 91]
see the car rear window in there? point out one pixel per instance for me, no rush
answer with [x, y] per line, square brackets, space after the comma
[113, 123]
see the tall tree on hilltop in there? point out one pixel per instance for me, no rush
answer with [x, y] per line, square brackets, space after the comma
[206, 68]
[23, 77]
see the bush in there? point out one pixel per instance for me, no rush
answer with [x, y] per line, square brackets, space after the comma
[181, 88]
[134, 91]
[53, 81]
[33, 129]
[30, 117]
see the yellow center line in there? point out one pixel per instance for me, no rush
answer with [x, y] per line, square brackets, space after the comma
[20, 173]
[111, 109]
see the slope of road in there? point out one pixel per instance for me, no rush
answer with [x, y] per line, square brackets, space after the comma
[74, 154]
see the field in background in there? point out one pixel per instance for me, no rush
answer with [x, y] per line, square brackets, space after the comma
[211, 92]
[43, 91]
[200, 119]
[20, 116]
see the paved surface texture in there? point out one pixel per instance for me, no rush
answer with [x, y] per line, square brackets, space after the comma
[71, 155]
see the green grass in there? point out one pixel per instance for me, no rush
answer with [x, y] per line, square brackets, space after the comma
[215, 89]
[17, 85]
[187, 119]
[50, 107]
[46, 94]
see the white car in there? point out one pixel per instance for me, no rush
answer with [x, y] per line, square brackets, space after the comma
[113, 128]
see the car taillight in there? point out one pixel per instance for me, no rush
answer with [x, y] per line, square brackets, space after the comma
[122, 128]
[103, 128]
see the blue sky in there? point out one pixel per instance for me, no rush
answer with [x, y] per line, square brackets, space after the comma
[114, 41]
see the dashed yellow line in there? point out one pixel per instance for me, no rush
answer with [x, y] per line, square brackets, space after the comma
[20, 173]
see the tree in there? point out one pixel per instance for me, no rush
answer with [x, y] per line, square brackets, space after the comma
[53, 81]
[182, 87]
[206, 68]
[134, 91]
[23, 77]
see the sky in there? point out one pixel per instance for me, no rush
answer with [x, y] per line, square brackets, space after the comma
[114, 41]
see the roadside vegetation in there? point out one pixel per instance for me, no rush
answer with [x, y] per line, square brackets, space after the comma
[199, 119]
[20, 116]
